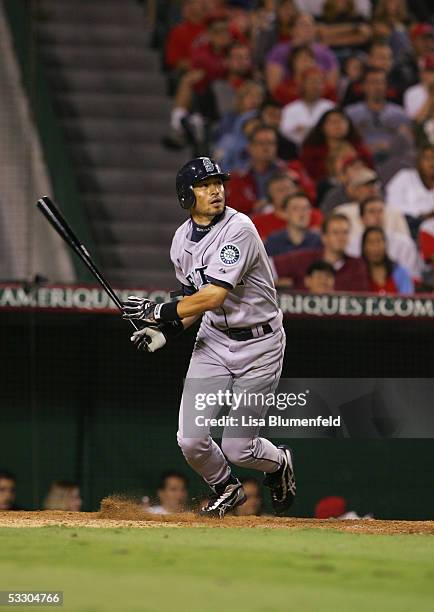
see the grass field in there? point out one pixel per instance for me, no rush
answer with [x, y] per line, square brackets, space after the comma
[207, 569]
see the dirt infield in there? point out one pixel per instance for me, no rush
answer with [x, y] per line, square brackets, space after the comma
[116, 512]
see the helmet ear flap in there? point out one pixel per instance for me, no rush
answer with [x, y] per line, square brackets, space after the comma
[188, 199]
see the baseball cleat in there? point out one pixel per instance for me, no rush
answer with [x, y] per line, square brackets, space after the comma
[282, 484]
[232, 496]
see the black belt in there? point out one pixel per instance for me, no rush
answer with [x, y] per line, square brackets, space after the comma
[241, 334]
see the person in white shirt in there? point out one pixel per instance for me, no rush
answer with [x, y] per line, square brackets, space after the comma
[400, 247]
[416, 97]
[299, 117]
[411, 190]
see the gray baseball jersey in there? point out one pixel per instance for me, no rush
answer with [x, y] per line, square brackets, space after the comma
[231, 255]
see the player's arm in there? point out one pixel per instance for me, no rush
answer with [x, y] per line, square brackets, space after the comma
[208, 298]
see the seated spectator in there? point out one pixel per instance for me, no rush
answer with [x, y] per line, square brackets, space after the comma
[300, 116]
[172, 494]
[343, 28]
[352, 73]
[351, 273]
[271, 114]
[333, 129]
[385, 276]
[380, 57]
[417, 98]
[422, 44]
[247, 189]
[8, 486]
[182, 36]
[365, 184]
[390, 24]
[291, 88]
[231, 147]
[273, 28]
[304, 32]
[296, 235]
[194, 99]
[335, 161]
[345, 170]
[254, 502]
[273, 218]
[401, 248]
[411, 191]
[320, 278]
[384, 126]
[239, 72]
[315, 7]
[63, 495]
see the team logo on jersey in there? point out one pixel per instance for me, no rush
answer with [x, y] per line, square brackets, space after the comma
[229, 254]
[209, 166]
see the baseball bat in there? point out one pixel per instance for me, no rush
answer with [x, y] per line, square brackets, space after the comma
[62, 227]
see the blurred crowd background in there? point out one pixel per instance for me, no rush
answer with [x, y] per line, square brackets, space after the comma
[323, 112]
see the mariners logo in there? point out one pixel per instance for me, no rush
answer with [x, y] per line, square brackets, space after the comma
[209, 166]
[229, 254]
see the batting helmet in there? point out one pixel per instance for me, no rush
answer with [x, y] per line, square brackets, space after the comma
[194, 172]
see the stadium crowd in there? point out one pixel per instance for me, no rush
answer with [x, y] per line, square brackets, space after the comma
[323, 112]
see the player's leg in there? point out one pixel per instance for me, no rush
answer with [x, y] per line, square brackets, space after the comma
[207, 375]
[242, 445]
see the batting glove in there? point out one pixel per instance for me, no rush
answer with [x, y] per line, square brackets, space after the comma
[151, 338]
[142, 309]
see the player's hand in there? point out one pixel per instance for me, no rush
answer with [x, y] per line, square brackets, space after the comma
[149, 339]
[139, 309]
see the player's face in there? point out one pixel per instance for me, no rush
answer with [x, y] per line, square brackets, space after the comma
[210, 198]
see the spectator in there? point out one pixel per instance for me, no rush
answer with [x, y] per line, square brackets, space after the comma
[335, 161]
[290, 89]
[194, 99]
[384, 126]
[353, 68]
[274, 28]
[333, 129]
[422, 44]
[271, 114]
[338, 194]
[390, 24]
[417, 98]
[401, 247]
[231, 148]
[172, 494]
[296, 235]
[365, 184]
[304, 32]
[247, 189]
[63, 495]
[411, 191]
[380, 57]
[254, 502]
[342, 28]
[182, 37]
[320, 278]
[279, 188]
[315, 7]
[8, 485]
[351, 273]
[300, 116]
[336, 507]
[239, 71]
[385, 276]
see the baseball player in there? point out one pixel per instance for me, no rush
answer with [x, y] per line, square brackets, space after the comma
[226, 279]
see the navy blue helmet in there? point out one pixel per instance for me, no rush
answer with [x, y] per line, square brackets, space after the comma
[194, 172]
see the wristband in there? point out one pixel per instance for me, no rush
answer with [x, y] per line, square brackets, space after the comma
[167, 312]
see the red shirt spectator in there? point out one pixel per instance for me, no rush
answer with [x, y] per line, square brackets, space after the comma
[351, 272]
[209, 56]
[182, 36]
